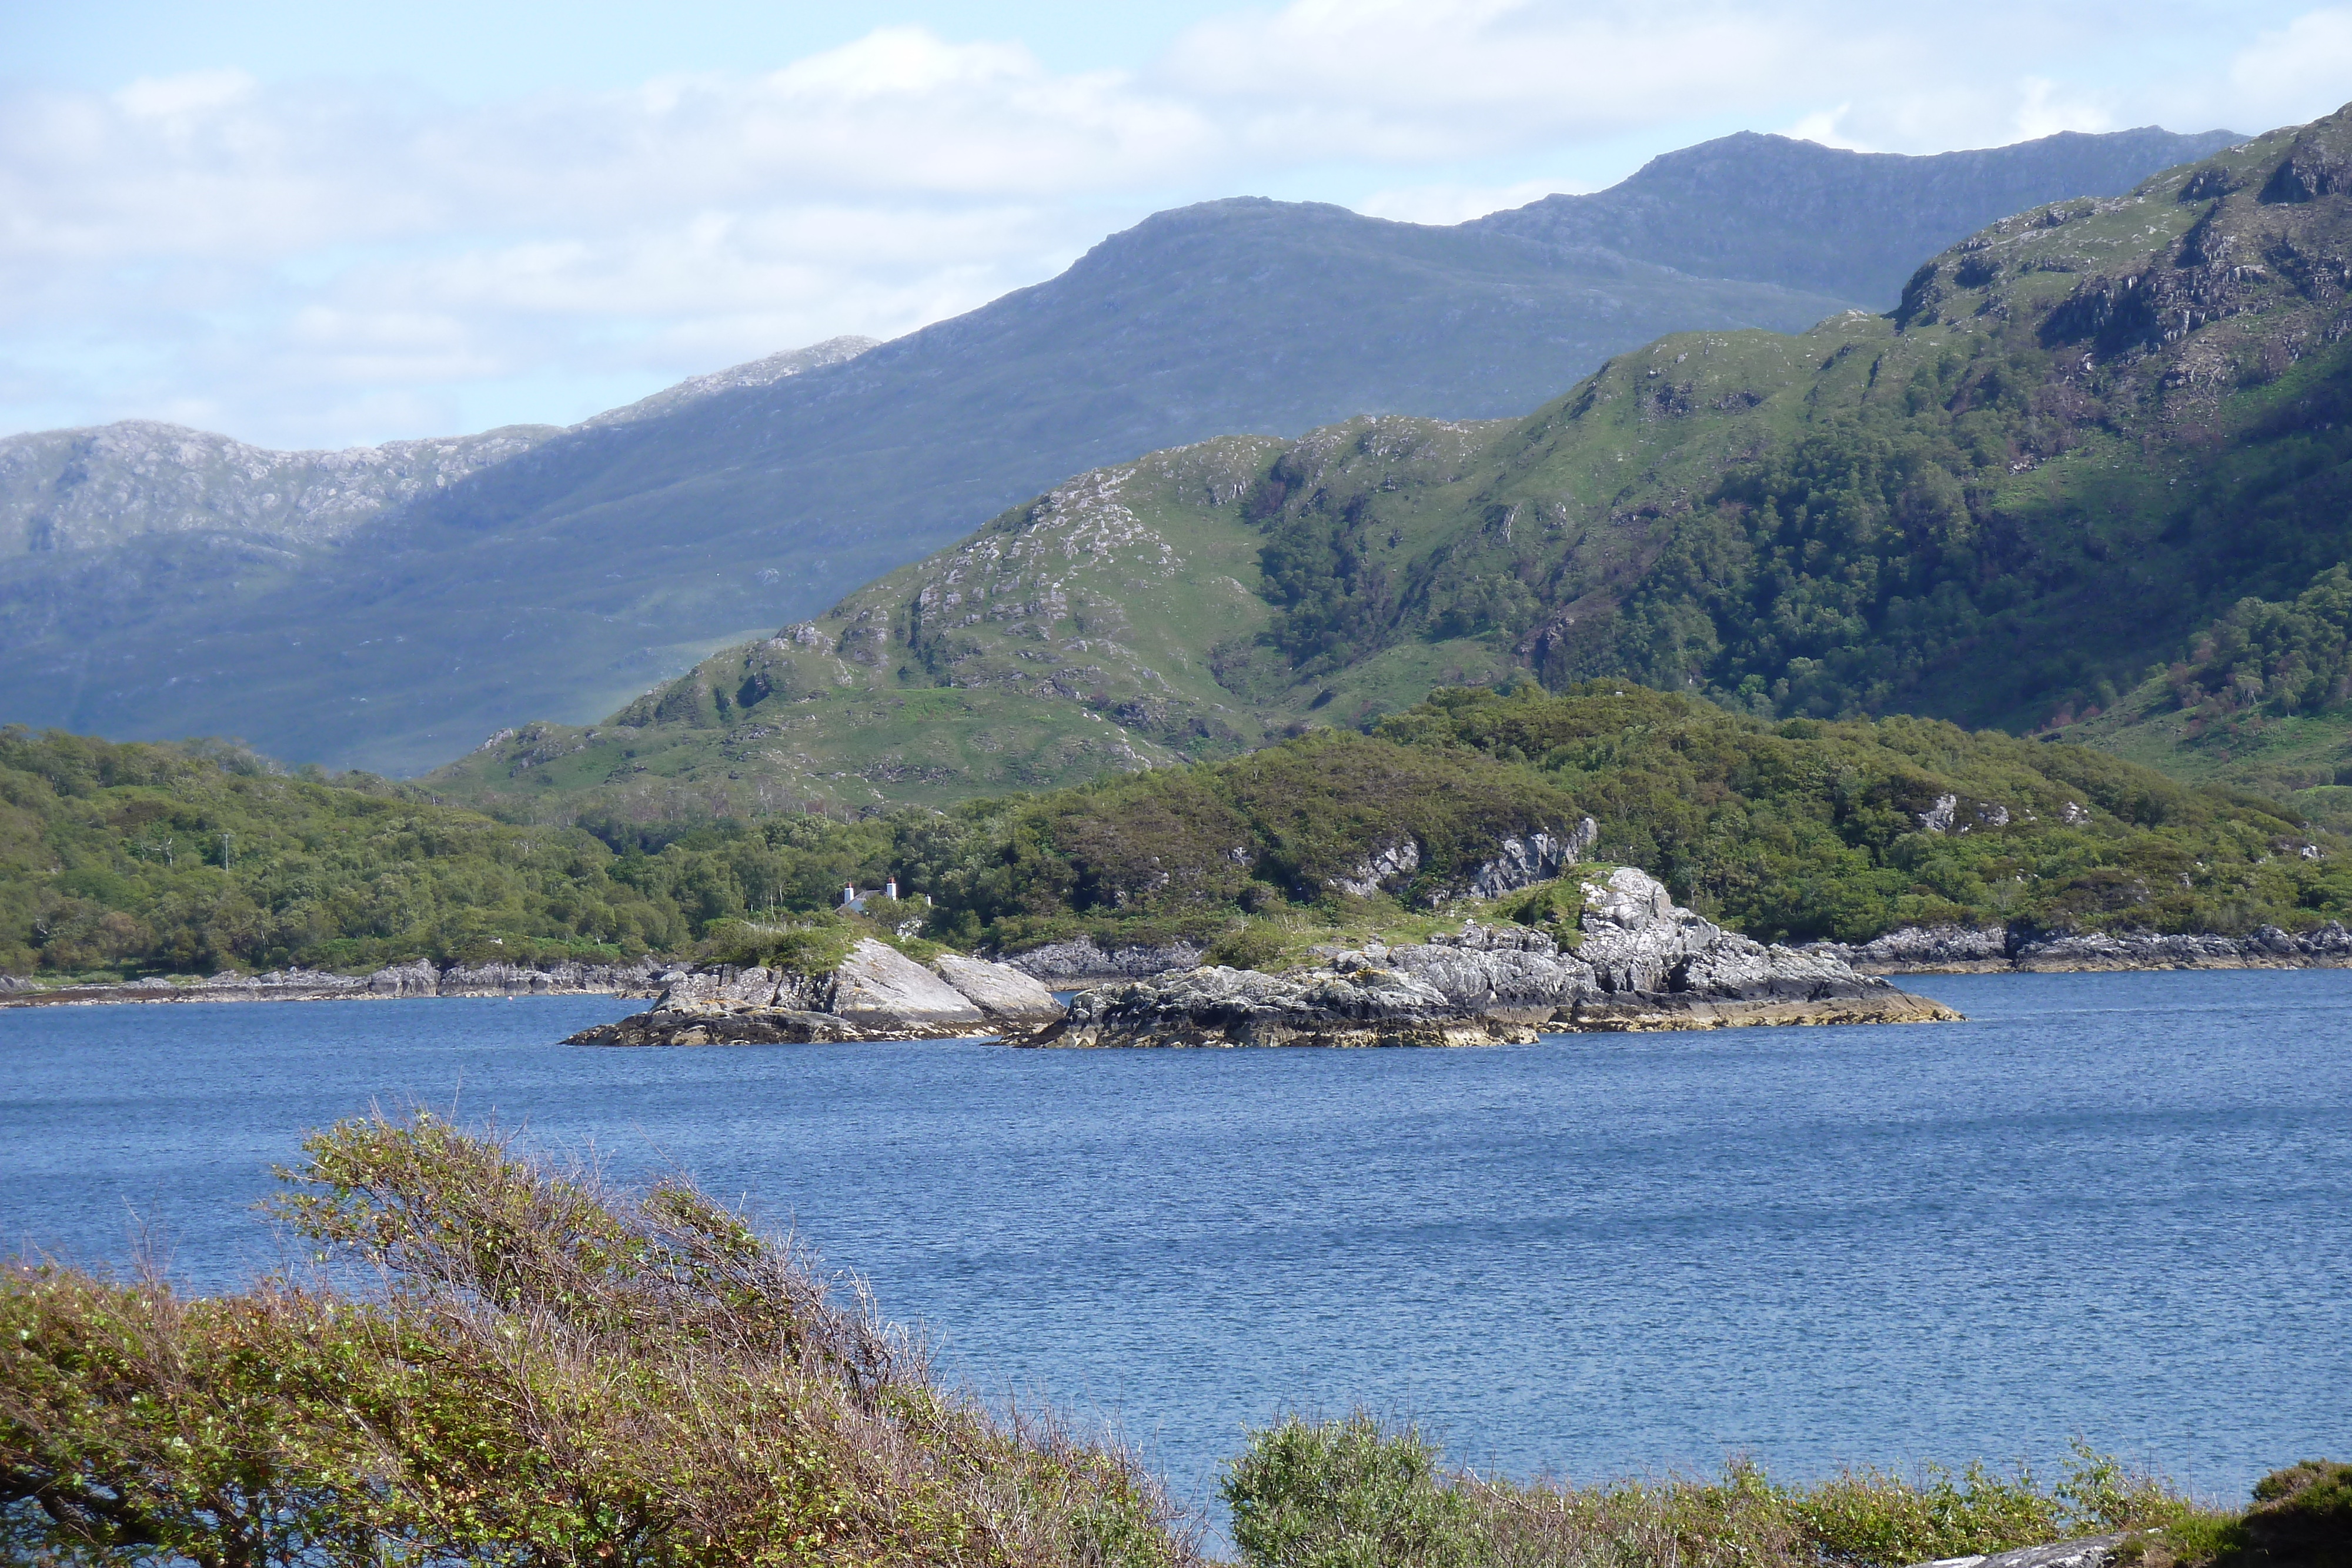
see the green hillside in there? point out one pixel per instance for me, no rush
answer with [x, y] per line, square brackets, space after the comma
[133, 859]
[2260, 700]
[2086, 432]
[1791, 830]
[117, 859]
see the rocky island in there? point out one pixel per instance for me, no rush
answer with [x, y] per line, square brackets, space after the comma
[1635, 960]
[1638, 961]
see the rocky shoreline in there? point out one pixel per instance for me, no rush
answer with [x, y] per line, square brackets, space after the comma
[415, 978]
[1640, 962]
[1911, 950]
[1995, 949]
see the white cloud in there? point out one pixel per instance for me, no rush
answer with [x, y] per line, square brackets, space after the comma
[2296, 72]
[324, 261]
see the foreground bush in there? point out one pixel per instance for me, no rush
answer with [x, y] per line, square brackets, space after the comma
[546, 1373]
[1357, 1494]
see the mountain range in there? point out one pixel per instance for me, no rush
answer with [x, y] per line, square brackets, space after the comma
[388, 607]
[2094, 466]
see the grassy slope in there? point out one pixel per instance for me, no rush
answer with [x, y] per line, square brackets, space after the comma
[1119, 621]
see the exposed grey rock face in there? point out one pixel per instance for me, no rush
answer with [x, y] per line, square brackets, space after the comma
[1923, 947]
[877, 993]
[1067, 962]
[1539, 857]
[550, 979]
[1376, 871]
[1000, 990]
[722, 1022]
[2092, 1552]
[1642, 963]
[882, 991]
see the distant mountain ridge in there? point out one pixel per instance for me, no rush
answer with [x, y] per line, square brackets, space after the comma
[587, 564]
[1834, 222]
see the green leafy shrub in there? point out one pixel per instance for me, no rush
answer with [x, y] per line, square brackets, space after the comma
[1349, 1492]
[1254, 944]
[2303, 1514]
[1345, 1494]
[545, 1371]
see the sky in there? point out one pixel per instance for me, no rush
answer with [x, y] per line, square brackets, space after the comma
[328, 223]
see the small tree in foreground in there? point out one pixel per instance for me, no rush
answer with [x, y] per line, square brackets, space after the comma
[541, 1371]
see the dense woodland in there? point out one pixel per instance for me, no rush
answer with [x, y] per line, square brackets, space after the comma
[190, 860]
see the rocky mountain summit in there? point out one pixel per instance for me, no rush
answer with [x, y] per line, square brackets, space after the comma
[875, 993]
[1640, 962]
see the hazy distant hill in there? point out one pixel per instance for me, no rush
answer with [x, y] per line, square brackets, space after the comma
[587, 563]
[1848, 223]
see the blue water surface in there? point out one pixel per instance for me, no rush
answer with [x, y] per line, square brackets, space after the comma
[2113, 1206]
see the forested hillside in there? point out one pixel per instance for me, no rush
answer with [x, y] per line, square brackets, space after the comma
[127, 859]
[140, 857]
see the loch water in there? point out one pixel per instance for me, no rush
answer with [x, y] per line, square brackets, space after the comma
[2117, 1207]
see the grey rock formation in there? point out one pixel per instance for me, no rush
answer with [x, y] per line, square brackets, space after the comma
[1378, 870]
[1002, 992]
[547, 979]
[880, 990]
[1539, 857]
[876, 993]
[1643, 961]
[2091, 1551]
[722, 1022]
[1078, 959]
[1222, 1007]
[1923, 950]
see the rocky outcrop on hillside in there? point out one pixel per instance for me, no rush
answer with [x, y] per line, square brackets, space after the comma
[1953, 949]
[1641, 962]
[416, 978]
[876, 993]
[1079, 961]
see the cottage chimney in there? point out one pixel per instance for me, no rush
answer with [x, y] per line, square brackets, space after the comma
[890, 888]
[849, 895]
